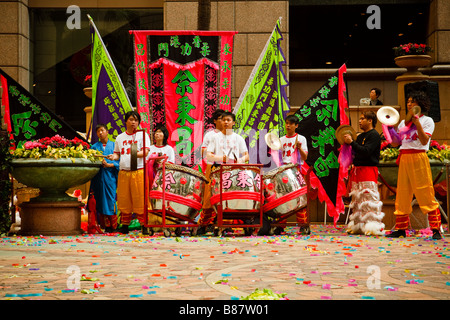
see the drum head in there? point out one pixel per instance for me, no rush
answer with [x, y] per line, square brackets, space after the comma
[190, 171]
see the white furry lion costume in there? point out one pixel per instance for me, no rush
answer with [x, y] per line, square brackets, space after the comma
[366, 217]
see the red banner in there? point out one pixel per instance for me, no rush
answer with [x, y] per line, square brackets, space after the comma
[181, 78]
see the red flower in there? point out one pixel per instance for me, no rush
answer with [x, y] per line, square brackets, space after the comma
[384, 145]
[435, 144]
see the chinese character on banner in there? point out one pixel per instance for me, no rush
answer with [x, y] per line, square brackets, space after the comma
[319, 118]
[182, 77]
[26, 118]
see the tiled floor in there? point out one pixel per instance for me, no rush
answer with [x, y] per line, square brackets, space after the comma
[327, 264]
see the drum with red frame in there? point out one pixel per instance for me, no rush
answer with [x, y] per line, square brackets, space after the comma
[284, 190]
[183, 190]
[240, 188]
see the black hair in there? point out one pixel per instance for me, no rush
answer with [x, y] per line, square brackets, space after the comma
[164, 131]
[370, 115]
[292, 118]
[217, 114]
[101, 125]
[421, 99]
[133, 114]
[377, 91]
[229, 114]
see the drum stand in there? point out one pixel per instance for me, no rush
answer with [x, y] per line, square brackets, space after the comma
[251, 215]
[170, 219]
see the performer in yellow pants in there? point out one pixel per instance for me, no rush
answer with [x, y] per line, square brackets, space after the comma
[130, 184]
[414, 177]
[130, 195]
[414, 174]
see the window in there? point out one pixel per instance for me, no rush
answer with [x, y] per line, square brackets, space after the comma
[326, 36]
[61, 58]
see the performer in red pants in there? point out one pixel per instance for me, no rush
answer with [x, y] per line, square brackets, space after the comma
[366, 217]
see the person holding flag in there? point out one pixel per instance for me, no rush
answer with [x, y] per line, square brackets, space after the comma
[104, 184]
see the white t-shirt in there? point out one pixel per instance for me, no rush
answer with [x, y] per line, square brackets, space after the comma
[411, 140]
[165, 150]
[232, 145]
[208, 137]
[207, 141]
[122, 147]
[288, 144]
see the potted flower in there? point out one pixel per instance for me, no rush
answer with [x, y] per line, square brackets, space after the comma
[53, 164]
[438, 155]
[88, 83]
[412, 56]
[411, 49]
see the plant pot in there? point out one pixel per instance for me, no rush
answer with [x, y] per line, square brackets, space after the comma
[412, 63]
[389, 171]
[54, 176]
[53, 212]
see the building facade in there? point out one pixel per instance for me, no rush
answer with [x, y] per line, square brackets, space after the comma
[47, 50]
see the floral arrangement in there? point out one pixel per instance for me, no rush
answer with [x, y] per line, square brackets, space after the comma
[411, 49]
[56, 147]
[436, 152]
[88, 80]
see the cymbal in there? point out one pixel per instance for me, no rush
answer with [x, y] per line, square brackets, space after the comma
[388, 116]
[343, 130]
[273, 141]
[413, 112]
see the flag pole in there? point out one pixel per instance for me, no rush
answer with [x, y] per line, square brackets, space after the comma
[94, 88]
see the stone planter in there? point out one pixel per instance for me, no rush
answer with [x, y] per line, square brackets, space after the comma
[88, 92]
[389, 171]
[53, 212]
[412, 63]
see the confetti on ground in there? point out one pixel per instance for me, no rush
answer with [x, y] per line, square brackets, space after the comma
[328, 264]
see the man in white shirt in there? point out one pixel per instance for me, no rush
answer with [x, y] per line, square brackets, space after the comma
[227, 146]
[207, 214]
[217, 119]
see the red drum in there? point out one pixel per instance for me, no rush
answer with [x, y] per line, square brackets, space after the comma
[284, 189]
[183, 192]
[240, 188]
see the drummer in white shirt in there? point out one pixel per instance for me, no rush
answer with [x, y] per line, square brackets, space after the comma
[227, 146]
[217, 120]
[207, 215]
[160, 146]
[292, 141]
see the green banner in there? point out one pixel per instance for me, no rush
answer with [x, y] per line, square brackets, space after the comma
[110, 101]
[263, 103]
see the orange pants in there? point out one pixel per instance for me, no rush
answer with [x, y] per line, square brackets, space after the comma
[130, 195]
[414, 178]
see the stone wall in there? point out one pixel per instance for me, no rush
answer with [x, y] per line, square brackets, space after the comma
[253, 20]
[15, 41]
